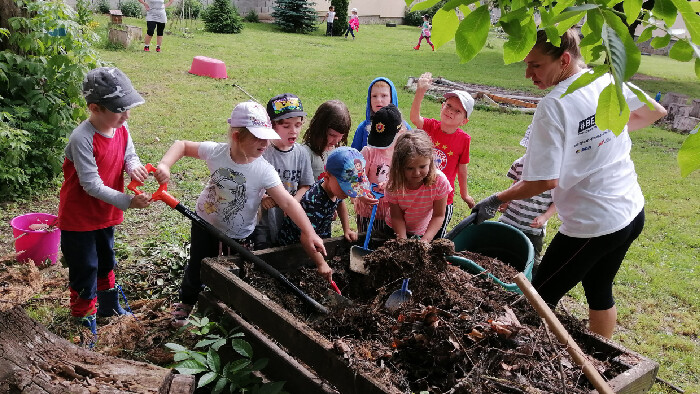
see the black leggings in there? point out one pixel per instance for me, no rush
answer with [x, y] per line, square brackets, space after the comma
[592, 261]
[152, 25]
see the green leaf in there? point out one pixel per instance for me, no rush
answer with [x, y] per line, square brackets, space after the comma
[206, 379]
[616, 53]
[690, 17]
[681, 51]
[646, 34]
[641, 95]
[587, 78]
[180, 356]
[553, 35]
[610, 115]
[445, 25]
[271, 388]
[697, 67]
[213, 360]
[190, 367]
[666, 10]
[689, 154]
[242, 347]
[199, 357]
[660, 42]
[220, 385]
[218, 344]
[519, 45]
[632, 54]
[574, 12]
[176, 347]
[424, 4]
[452, 4]
[235, 366]
[259, 364]
[472, 33]
[632, 9]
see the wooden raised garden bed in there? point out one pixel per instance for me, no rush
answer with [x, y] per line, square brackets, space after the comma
[312, 363]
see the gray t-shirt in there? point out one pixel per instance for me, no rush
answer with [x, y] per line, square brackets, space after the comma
[156, 11]
[294, 169]
[318, 163]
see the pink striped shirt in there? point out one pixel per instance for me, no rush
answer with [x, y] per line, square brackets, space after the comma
[417, 205]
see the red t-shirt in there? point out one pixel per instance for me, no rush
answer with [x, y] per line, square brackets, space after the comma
[77, 210]
[451, 150]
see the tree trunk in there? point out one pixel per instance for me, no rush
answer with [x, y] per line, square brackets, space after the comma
[32, 359]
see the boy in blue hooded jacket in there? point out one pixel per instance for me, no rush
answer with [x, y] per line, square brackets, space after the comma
[381, 93]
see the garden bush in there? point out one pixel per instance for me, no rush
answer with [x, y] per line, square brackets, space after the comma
[415, 18]
[131, 8]
[252, 17]
[102, 6]
[222, 17]
[189, 9]
[40, 85]
[295, 16]
[83, 13]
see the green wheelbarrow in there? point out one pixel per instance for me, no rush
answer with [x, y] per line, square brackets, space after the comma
[497, 240]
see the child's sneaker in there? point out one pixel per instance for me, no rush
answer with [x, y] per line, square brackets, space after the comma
[181, 313]
[417, 47]
[146, 48]
[158, 48]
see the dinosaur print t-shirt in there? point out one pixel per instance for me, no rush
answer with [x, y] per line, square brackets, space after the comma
[231, 198]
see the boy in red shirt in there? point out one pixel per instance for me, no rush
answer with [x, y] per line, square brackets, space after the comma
[92, 198]
[451, 143]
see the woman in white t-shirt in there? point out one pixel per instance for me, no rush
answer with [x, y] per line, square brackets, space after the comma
[592, 177]
[155, 21]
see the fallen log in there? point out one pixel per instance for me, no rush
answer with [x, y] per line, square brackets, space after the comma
[32, 359]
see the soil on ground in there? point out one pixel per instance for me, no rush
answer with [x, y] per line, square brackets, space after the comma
[458, 333]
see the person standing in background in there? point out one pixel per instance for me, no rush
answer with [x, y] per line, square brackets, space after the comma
[155, 21]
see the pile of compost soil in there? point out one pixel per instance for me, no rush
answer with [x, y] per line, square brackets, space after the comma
[459, 333]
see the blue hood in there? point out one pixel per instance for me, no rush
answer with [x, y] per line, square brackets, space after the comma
[394, 97]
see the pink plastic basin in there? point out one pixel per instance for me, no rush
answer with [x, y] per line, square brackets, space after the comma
[36, 245]
[208, 67]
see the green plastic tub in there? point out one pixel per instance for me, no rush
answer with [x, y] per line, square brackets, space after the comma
[497, 240]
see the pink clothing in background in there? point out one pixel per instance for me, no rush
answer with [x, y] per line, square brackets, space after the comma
[417, 205]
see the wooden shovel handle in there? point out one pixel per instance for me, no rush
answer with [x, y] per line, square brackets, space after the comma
[562, 335]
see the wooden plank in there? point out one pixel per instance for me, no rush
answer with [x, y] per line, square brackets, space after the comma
[281, 366]
[286, 258]
[299, 339]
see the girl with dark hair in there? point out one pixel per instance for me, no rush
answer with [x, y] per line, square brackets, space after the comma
[328, 129]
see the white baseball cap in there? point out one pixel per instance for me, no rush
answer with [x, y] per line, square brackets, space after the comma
[253, 117]
[353, 10]
[464, 97]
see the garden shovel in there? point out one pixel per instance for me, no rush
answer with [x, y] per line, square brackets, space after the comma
[163, 195]
[357, 253]
[399, 297]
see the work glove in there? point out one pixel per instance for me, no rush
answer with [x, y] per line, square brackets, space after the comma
[486, 208]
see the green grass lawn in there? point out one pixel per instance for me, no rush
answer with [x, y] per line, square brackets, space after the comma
[657, 287]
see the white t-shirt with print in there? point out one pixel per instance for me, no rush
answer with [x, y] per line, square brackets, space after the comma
[598, 192]
[231, 198]
[156, 11]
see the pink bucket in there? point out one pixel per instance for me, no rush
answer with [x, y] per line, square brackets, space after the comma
[36, 245]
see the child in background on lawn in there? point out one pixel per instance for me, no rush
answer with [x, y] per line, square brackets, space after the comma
[92, 198]
[289, 159]
[230, 200]
[417, 191]
[328, 129]
[386, 124]
[424, 33]
[451, 143]
[531, 214]
[381, 92]
[344, 177]
[330, 17]
[353, 24]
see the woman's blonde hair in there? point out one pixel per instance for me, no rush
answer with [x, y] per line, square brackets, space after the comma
[411, 144]
[569, 43]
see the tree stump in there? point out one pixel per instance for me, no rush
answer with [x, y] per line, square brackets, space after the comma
[32, 359]
[673, 98]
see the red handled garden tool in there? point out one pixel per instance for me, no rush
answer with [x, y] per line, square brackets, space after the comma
[357, 253]
[162, 195]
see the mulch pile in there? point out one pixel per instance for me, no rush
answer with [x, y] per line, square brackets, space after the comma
[459, 333]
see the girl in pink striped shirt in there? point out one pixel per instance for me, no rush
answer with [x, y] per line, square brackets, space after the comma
[417, 191]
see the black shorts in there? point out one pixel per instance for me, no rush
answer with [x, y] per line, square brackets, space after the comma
[592, 261]
[151, 26]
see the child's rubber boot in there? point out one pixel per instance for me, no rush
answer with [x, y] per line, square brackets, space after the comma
[88, 330]
[417, 47]
[432, 46]
[108, 303]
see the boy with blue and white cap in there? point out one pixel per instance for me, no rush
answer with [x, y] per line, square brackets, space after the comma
[344, 177]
